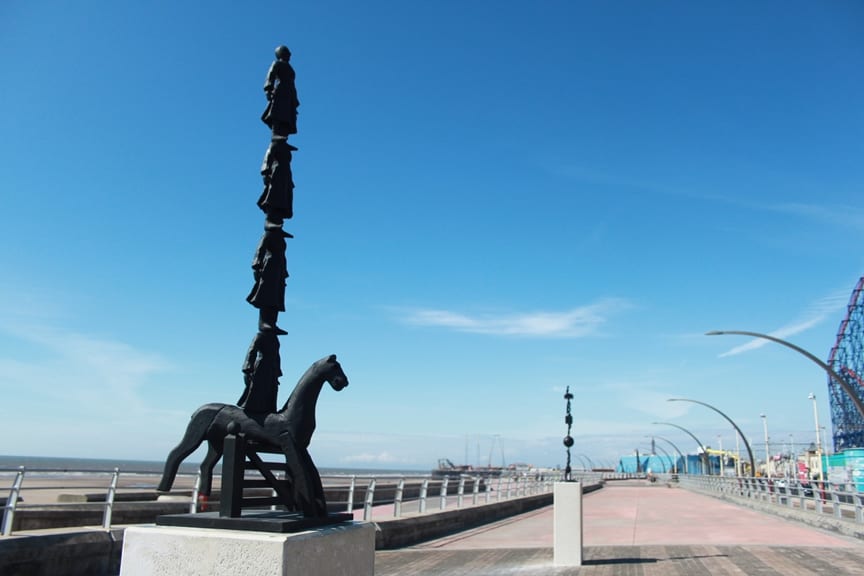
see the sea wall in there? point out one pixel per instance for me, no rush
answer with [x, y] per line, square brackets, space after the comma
[76, 553]
[96, 552]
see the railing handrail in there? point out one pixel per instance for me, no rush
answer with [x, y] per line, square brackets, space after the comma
[505, 486]
[805, 496]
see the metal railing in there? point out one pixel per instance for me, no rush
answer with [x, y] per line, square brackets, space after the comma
[105, 482]
[380, 496]
[817, 498]
[469, 491]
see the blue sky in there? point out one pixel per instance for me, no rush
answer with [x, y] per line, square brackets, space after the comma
[494, 200]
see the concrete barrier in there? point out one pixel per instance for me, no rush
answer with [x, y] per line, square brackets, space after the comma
[80, 553]
[96, 552]
[401, 532]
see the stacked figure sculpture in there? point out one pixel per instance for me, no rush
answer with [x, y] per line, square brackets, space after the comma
[262, 367]
[255, 422]
[568, 439]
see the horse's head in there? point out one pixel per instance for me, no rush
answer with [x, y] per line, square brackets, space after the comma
[334, 373]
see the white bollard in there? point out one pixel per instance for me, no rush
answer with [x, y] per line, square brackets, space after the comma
[567, 513]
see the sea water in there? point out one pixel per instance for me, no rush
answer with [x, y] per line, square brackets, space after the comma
[48, 466]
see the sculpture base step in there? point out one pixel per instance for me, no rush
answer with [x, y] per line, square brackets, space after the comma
[254, 520]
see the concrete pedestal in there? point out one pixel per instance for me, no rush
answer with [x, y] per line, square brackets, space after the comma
[567, 513]
[344, 549]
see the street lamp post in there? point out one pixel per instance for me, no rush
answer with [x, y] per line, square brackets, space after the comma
[790, 463]
[722, 456]
[705, 460]
[668, 457]
[737, 429]
[681, 454]
[738, 455]
[674, 461]
[859, 405]
[818, 439]
[767, 450]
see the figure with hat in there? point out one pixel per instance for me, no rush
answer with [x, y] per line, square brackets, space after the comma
[282, 103]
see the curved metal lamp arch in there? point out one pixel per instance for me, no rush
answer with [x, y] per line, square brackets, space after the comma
[590, 463]
[705, 460]
[581, 461]
[669, 460]
[681, 454]
[843, 384]
[737, 429]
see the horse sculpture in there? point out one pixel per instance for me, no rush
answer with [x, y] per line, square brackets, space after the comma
[290, 429]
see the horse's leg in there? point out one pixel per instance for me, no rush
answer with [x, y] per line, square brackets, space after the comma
[214, 453]
[308, 493]
[193, 437]
[316, 489]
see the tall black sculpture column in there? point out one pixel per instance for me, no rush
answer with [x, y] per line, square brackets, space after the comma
[262, 367]
[568, 439]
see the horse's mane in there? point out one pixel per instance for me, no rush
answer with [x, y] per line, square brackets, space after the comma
[303, 381]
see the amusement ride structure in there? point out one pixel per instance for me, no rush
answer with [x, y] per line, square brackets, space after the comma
[847, 360]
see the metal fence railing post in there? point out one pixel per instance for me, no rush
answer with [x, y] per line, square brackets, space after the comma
[351, 487]
[12, 502]
[370, 500]
[424, 489]
[397, 500]
[460, 492]
[476, 491]
[444, 492]
[193, 506]
[109, 500]
[859, 508]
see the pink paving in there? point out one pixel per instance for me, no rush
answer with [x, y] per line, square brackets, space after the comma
[641, 515]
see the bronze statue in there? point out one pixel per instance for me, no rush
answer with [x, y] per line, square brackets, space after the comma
[270, 271]
[290, 429]
[254, 424]
[281, 112]
[261, 372]
[277, 199]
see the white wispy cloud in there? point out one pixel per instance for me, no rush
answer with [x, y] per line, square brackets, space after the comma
[834, 215]
[812, 316]
[74, 367]
[573, 323]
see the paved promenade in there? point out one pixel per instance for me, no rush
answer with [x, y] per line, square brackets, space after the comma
[634, 529]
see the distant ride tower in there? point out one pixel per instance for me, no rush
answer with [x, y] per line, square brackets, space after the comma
[847, 359]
